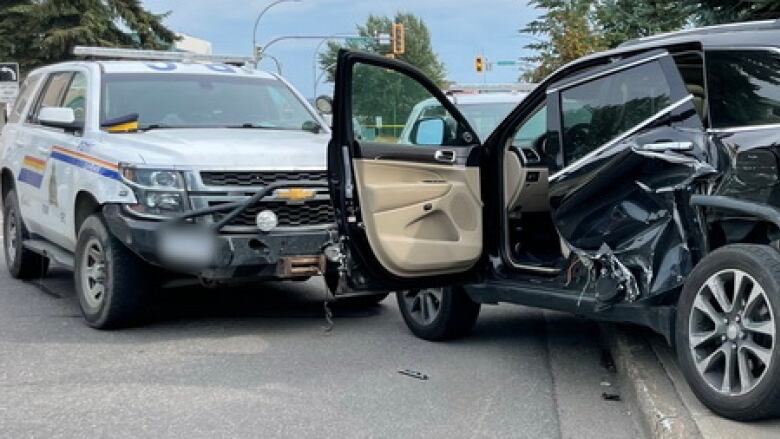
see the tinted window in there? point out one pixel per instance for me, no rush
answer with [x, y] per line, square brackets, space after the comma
[52, 95]
[691, 67]
[24, 98]
[75, 97]
[189, 101]
[601, 110]
[744, 87]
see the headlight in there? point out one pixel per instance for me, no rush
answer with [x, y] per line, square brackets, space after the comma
[160, 192]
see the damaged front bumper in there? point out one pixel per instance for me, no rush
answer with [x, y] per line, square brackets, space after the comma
[290, 253]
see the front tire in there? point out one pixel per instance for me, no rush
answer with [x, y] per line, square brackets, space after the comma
[727, 326]
[22, 263]
[438, 313]
[110, 280]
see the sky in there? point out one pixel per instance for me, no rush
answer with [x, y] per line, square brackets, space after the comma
[460, 30]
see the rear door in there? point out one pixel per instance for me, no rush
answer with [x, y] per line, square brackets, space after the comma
[633, 145]
[409, 209]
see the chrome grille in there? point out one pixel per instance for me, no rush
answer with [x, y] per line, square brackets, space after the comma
[311, 213]
[257, 178]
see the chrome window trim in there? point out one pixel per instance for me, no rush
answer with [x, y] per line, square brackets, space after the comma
[742, 128]
[608, 72]
[582, 160]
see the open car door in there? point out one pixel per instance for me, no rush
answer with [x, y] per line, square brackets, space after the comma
[406, 193]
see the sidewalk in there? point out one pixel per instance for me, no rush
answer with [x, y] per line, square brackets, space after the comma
[657, 389]
[710, 425]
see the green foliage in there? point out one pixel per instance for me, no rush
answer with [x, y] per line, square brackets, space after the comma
[419, 50]
[622, 20]
[574, 28]
[712, 12]
[381, 93]
[569, 28]
[39, 32]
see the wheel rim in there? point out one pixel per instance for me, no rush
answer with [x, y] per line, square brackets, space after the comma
[424, 305]
[93, 273]
[11, 239]
[732, 332]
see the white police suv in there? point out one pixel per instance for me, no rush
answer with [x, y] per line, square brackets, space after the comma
[99, 155]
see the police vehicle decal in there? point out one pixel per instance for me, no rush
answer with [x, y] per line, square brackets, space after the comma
[81, 160]
[32, 171]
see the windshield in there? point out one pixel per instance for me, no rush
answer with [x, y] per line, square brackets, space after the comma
[483, 117]
[192, 101]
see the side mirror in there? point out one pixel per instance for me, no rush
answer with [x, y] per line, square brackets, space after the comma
[59, 117]
[428, 131]
[324, 104]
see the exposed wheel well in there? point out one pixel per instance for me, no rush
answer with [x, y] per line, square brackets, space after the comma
[6, 183]
[85, 206]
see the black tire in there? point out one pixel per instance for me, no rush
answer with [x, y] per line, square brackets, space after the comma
[455, 317]
[758, 396]
[21, 262]
[365, 301]
[123, 298]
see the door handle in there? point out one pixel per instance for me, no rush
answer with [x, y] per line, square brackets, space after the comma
[45, 150]
[668, 146]
[445, 156]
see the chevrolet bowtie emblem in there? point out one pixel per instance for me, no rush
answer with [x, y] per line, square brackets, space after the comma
[295, 194]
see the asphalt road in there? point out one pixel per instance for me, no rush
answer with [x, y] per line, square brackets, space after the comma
[257, 362]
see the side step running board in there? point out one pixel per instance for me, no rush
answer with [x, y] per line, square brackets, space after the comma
[51, 251]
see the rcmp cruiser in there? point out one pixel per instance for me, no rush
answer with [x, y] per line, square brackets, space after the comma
[97, 154]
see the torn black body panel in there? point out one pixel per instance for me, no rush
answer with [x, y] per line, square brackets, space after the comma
[626, 212]
[750, 175]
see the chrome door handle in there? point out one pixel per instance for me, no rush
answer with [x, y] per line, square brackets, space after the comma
[45, 150]
[445, 156]
[668, 146]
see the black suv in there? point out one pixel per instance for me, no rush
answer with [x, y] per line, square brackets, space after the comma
[636, 185]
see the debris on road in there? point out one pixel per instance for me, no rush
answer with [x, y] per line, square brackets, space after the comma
[414, 374]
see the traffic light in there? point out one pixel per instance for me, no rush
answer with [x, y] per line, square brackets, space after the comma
[399, 42]
[479, 64]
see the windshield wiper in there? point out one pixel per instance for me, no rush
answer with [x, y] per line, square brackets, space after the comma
[254, 126]
[158, 126]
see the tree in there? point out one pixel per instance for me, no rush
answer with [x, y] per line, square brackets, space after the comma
[569, 28]
[574, 28]
[622, 20]
[712, 12]
[419, 50]
[38, 32]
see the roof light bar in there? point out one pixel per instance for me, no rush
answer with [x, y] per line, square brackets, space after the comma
[157, 55]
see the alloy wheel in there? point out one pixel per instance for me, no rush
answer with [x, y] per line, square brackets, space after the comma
[731, 332]
[423, 305]
[93, 273]
[11, 238]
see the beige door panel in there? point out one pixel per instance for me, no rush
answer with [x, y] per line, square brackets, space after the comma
[522, 195]
[421, 219]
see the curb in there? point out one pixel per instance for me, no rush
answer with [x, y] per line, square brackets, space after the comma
[647, 386]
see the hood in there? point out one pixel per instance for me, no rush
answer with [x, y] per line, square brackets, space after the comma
[227, 148]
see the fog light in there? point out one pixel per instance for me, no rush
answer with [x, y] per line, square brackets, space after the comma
[266, 220]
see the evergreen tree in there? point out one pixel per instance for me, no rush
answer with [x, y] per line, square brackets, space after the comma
[571, 33]
[39, 32]
[711, 12]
